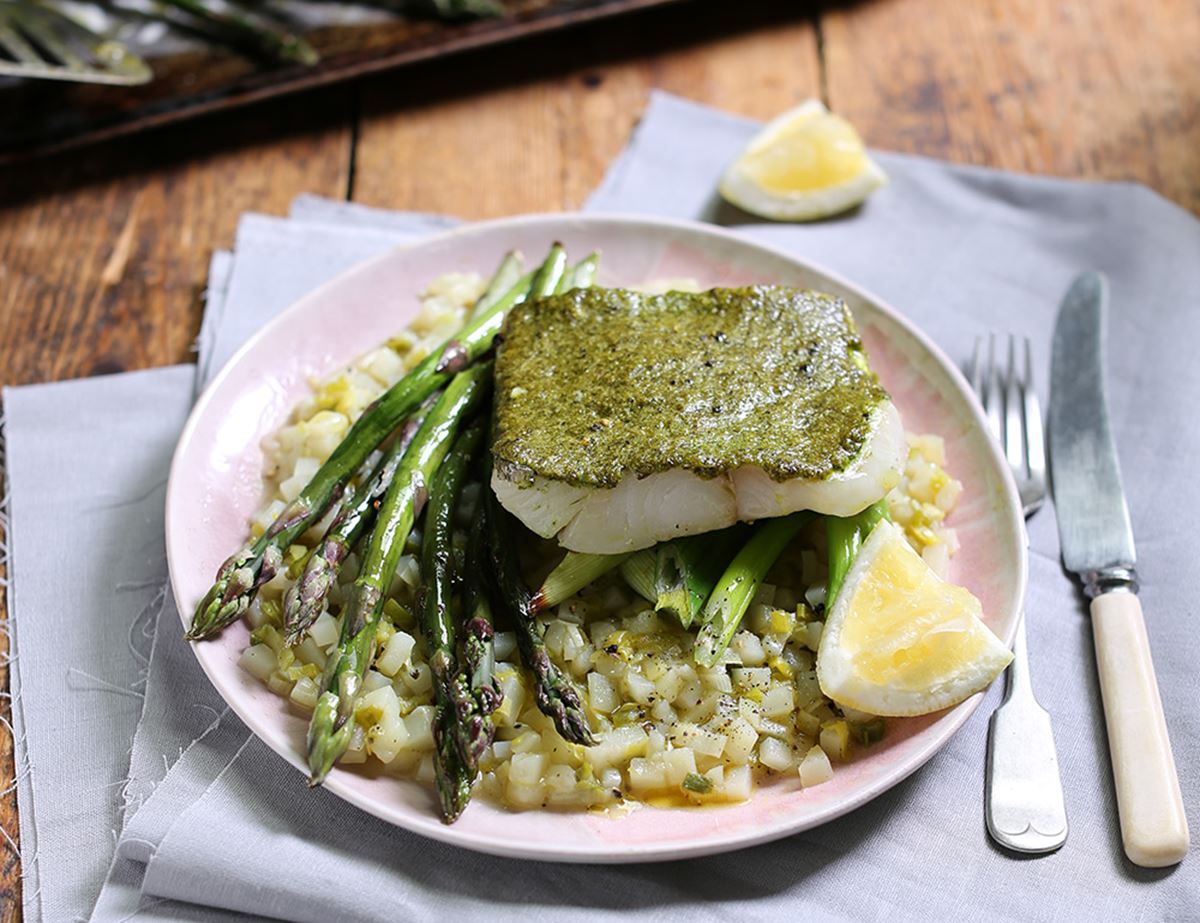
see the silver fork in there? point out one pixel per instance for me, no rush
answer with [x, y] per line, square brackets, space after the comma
[1025, 808]
[41, 42]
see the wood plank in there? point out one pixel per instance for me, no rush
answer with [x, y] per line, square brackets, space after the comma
[1108, 89]
[104, 253]
[533, 127]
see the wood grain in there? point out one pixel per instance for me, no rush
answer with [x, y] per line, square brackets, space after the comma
[103, 252]
[1106, 90]
[533, 127]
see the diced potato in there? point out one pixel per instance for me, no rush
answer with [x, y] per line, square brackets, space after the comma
[561, 785]
[419, 724]
[601, 694]
[645, 622]
[646, 775]
[778, 701]
[384, 365]
[640, 689]
[279, 684]
[526, 768]
[389, 736]
[324, 631]
[527, 742]
[553, 636]
[812, 635]
[835, 740]
[716, 678]
[749, 649]
[514, 696]
[775, 754]
[739, 783]
[677, 764]
[748, 678]
[305, 693]
[655, 743]
[303, 472]
[525, 797]
[574, 644]
[505, 644]
[396, 653]
[408, 571]
[356, 752]
[662, 712]
[619, 745]
[671, 684]
[259, 661]
[375, 680]
[692, 694]
[758, 618]
[741, 738]
[808, 689]
[323, 432]
[815, 768]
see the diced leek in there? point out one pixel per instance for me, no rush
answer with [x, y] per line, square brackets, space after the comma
[868, 732]
[835, 739]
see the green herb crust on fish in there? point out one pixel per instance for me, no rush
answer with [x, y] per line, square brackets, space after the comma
[597, 384]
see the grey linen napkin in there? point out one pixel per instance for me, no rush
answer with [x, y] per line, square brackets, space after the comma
[959, 250]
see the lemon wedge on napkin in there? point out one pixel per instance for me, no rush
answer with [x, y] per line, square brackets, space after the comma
[806, 164]
[899, 640]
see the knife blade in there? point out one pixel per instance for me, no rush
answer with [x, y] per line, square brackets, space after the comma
[1093, 519]
[1097, 544]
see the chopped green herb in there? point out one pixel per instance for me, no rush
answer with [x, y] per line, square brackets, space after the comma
[700, 785]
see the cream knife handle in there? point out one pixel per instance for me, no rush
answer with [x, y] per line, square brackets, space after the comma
[1154, 827]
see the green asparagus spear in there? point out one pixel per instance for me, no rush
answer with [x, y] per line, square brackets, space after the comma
[575, 571]
[507, 275]
[331, 726]
[732, 595]
[476, 731]
[240, 577]
[307, 596]
[581, 275]
[555, 695]
[267, 40]
[845, 536]
[456, 706]
[687, 569]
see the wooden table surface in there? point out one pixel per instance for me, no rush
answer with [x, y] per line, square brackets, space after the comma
[103, 251]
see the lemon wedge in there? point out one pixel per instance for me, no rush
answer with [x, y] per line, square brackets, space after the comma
[806, 164]
[899, 640]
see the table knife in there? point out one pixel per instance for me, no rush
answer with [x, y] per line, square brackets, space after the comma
[1097, 545]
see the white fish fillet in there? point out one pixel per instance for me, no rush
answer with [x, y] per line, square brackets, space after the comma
[640, 512]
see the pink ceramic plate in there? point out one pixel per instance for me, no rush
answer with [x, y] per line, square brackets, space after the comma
[216, 485]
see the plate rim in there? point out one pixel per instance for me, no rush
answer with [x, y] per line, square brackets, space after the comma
[949, 724]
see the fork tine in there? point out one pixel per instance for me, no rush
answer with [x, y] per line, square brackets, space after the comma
[1035, 454]
[977, 369]
[1014, 413]
[42, 32]
[993, 394]
[15, 44]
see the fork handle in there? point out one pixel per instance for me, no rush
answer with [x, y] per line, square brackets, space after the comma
[1154, 827]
